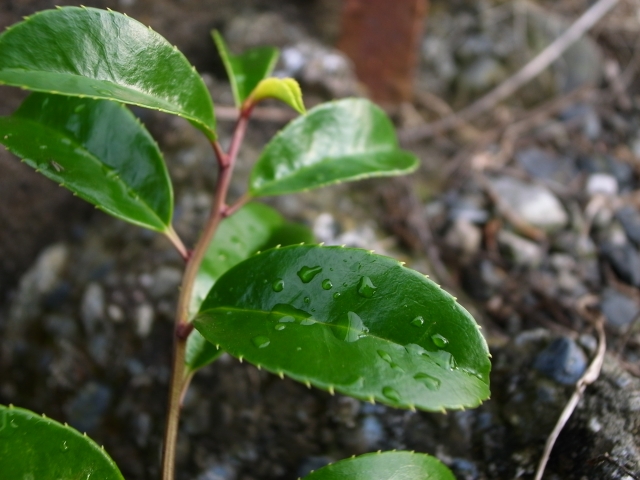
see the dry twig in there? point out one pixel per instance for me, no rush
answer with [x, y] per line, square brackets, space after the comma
[532, 69]
[590, 375]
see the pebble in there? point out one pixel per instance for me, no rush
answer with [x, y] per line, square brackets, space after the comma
[546, 166]
[165, 282]
[92, 307]
[602, 183]
[563, 361]
[533, 203]
[625, 261]
[143, 317]
[482, 279]
[372, 432]
[85, 410]
[520, 250]
[464, 237]
[629, 217]
[619, 309]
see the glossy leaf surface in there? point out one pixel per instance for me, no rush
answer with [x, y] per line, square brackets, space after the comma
[254, 227]
[32, 446]
[286, 90]
[335, 142]
[98, 150]
[103, 54]
[245, 71]
[348, 320]
[385, 466]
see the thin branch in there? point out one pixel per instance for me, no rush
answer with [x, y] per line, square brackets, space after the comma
[265, 114]
[590, 375]
[177, 242]
[237, 205]
[507, 88]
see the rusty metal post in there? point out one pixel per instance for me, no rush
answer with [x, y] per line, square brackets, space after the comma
[382, 39]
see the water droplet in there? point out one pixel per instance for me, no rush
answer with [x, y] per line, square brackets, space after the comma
[439, 340]
[391, 394]
[280, 326]
[326, 284]
[64, 447]
[307, 274]
[307, 300]
[287, 319]
[43, 147]
[79, 108]
[13, 424]
[308, 321]
[385, 356]
[337, 295]
[65, 141]
[278, 285]
[418, 321]
[349, 328]
[261, 341]
[104, 91]
[366, 288]
[432, 383]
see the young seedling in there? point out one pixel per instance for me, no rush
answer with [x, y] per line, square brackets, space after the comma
[341, 319]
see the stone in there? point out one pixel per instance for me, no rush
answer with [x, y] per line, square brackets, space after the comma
[86, 410]
[92, 307]
[533, 203]
[482, 74]
[464, 237]
[625, 261]
[165, 282]
[143, 317]
[629, 217]
[521, 251]
[545, 165]
[619, 309]
[563, 361]
[602, 183]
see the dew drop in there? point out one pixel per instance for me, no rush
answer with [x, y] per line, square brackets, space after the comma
[439, 340]
[43, 147]
[307, 274]
[385, 356]
[417, 322]
[307, 300]
[308, 321]
[337, 295]
[65, 141]
[391, 394]
[366, 288]
[13, 424]
[326, 284]
[64, 447]
[280, 326]
[287, 319]
[349, 328]
[104, 91]
[79, 108]
[261, 341]
[278, 285]
[432, 383]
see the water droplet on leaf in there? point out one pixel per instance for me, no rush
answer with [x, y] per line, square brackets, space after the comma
[307, 274]
[385, 356]
[432, 383]
[79, 108]
[261, 341]
[64, 447]
[366, 288]
[391, 394]
[439, 340]
[278, 285]
[337, 295]
[287, 319]
[307, 300]
[280, 326]
[417, 322]
[349, 328]
[326, 284]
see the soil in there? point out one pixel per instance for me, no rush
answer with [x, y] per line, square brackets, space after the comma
[87, 314]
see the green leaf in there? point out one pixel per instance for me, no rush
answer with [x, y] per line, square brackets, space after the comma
[32, 446]
[286, 90]
[103, 54]
[335, 142]
[385, 466]
[348, 320]
[98, 150]
[252, 228]
[245, 71]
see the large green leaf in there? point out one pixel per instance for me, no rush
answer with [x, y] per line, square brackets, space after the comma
[351, 321]
[385, 466]
[335, 142]
[35, 447]
[254, 227]
[103, 54]
[245, 71]
[98, 150]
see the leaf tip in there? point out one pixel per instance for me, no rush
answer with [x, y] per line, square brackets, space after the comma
[281, 375]
[412, 407]
[11, 405]
[44, 416]
[331, 390]
[259, 366]
[307, 383]
[372, 400]
[241, 358]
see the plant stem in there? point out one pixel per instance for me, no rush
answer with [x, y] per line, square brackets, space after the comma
[179, 377]
[177, 242]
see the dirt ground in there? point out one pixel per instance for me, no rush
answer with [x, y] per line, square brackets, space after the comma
[526, 215]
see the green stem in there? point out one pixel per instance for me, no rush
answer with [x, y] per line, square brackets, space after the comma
[179, 376]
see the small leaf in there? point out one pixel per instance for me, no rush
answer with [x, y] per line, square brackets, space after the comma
[247, 70]
[252, 228]
[32, 446]
[335, 142]
[98, 150]
[350, 321]
[103, 54]
[286, 90]
[385, 466]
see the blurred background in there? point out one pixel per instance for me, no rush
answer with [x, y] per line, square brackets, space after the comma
[523, 210]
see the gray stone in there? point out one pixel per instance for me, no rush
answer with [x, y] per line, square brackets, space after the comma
[602, 183]
[86, 410]
[165, 281]
[563, 361]
[533, 203]
[629, 217]
[92, 307]
[521, 251]
[625, 261]
[144, 316]
[545, 165]
[464, 237]
[482, 74]
[619, 309]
